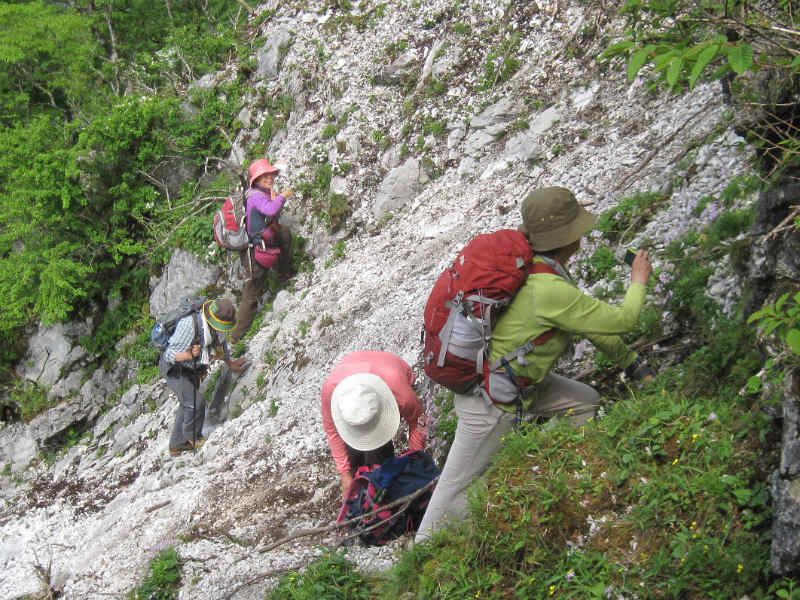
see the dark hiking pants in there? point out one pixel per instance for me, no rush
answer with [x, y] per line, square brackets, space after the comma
[191, 409]
[254, 286]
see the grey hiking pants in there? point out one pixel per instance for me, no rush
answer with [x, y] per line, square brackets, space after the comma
[481, 427]
[191, 409]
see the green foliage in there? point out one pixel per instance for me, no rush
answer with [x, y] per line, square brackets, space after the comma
[434, 128]
[82, 165]
[278, 110]
[163, 578]
[332, 577]
[337, 254]
[630, 215]
[31, 398]
[302, 327]
[779, 321]
[436, 87]
[600, 265]
[381, 139]
[132, 291]
[330, 130]
[501, 64]
[729, 224]
[442, 422]
[685, 41]
[674, 486]
[395, 49]
[727, 357]
[302, 262]
[46, 56]
[331, 208]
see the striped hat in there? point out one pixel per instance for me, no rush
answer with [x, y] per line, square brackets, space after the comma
[220, 314]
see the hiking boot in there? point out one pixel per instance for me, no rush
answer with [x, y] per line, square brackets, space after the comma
[188, 446]
[180, 449]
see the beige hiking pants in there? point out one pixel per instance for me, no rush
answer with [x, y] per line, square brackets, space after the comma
[481, 426]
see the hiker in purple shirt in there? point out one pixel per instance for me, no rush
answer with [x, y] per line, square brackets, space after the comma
[272, 242]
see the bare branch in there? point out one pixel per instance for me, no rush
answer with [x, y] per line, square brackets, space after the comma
[786, 224]
[659, 147]
[248, 8]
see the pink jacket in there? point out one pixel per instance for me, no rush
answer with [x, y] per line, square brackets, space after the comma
[398, 376]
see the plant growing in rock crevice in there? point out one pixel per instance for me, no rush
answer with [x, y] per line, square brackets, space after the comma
[163, 579]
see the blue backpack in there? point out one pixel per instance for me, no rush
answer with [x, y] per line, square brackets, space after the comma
[378, 485]
[165, 326]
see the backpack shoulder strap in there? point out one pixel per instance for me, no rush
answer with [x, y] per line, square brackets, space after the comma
[519, 353]
[199, 336]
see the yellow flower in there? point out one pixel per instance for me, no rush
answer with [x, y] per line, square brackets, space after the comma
[675, 462]
[740, 568]
[695, 436]
[478, 594]
[683, 561]
[552, 590]
[693, 526]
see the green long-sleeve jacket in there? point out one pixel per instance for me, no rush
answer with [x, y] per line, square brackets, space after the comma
[548, 301]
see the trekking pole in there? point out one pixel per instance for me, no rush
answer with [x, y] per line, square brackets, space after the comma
[195, 385]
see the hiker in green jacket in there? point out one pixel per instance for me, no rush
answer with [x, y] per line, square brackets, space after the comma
[554, 223]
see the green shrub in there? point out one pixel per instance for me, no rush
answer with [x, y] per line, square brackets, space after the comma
[629, 216]
[163, 579]
[600, 265]
[332, 577]
[657, 496]
[330, 130]
[501, 64]
[31, 398]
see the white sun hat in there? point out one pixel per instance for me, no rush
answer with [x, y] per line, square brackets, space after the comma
[364, 411]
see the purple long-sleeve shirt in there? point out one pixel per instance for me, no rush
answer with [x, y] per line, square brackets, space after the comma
[262, 208]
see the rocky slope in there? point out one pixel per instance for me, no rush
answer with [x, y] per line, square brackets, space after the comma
[427, 159]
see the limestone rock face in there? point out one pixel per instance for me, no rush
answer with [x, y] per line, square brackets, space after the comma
[184, 275]
[786, 487]
[398, 188]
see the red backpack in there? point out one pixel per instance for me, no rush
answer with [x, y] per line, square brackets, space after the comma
[230, 230]
[466, 299]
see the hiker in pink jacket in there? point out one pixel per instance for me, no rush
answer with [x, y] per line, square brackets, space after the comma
[363, 399]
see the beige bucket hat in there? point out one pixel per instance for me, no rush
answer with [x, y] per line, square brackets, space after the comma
[553, 218]
[364, 411]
